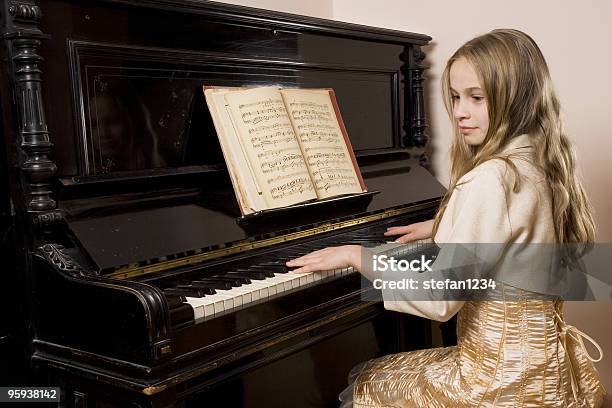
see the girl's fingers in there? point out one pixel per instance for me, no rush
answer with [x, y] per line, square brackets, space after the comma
[307, 268]
[404, 238]
[304, 260]
[397, 231]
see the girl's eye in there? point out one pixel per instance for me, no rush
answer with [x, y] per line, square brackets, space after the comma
[477, 98]
[454, 97]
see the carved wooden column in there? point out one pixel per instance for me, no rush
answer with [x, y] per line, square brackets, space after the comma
[23, 39]
[415, 122]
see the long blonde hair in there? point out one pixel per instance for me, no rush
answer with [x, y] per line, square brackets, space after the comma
[520, 100]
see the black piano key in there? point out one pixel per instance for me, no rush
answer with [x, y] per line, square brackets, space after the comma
[295, 253]
[362, 239]
[367, 244]
[280, 260]
[184, 291]
[207, 290]
[235, 282]
[259, 271]
[247, 264]
[269, 270]
[249, 274]
[263, 258]
[312, 246]
[212, 284]
[365, 239]
[244, 279]
[277, 267]
[294, 249]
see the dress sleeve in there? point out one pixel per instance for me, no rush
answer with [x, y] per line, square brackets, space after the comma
[477, 213]
[438, 310]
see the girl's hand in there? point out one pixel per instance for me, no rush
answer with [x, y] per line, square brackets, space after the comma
[328, 258]
[412, 232]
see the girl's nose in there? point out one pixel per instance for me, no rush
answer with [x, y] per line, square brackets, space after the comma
[460, 110]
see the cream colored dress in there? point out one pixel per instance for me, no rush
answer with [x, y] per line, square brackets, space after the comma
[510, 353]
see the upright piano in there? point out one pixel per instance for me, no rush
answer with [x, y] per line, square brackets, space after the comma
[133, 280]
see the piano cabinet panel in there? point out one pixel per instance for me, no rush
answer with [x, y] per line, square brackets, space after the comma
[94, 321]
[312, 376]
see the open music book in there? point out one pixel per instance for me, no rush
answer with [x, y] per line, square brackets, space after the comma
[283, 146]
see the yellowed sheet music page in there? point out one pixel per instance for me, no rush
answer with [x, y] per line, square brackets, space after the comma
[266, 133]
[241, 173]
[325, 150]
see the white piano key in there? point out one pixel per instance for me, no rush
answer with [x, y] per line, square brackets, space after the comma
[277, 284]
[287, 281]
[202, 307]
[247, 297]
[292, 280]
[222, 301]
[297, 280]
[240, 295]
[304, 279]
[259, 290]
[198, 309]
[262, 288]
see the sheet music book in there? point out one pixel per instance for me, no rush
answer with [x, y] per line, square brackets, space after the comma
[283, 146]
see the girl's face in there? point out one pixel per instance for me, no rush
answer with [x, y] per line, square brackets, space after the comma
[469, 104]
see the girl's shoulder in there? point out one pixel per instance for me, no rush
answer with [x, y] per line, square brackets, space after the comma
[505, 169]
[491, 195]
[490, 173]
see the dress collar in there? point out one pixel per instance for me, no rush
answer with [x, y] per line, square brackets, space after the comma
[518, 142]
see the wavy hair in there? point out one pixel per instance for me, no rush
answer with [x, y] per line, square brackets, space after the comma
[520, 99]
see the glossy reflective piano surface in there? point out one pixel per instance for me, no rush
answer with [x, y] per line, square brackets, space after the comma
[143, 285]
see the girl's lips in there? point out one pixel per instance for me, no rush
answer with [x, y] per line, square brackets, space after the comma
[466, 130]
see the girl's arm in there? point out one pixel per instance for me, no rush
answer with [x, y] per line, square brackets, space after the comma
[412, 232]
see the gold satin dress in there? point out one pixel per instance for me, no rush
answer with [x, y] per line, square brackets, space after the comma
[516, 354]
[514, 350]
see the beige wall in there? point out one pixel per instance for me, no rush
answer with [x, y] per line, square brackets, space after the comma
[575, 38]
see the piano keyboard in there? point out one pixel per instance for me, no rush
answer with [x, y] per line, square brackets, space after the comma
[239, 287]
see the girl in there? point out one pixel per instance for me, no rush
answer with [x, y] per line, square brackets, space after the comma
[512, 181]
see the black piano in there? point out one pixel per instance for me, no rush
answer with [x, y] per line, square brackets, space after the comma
[130, 279]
